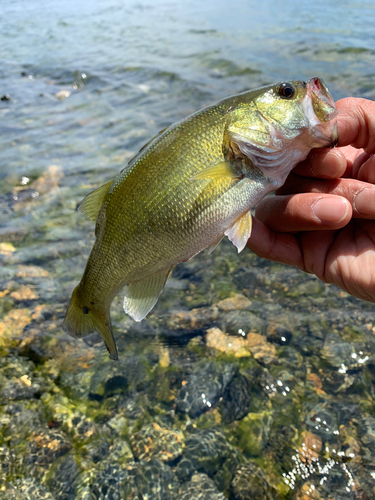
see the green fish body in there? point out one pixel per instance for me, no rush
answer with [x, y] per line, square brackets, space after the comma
[192, 184]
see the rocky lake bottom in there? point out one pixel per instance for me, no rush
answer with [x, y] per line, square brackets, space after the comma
[248, 380]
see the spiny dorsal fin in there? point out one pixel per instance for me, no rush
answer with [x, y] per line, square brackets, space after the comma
[240, 232]
[140, 297]
[92, 203]
[221, 169]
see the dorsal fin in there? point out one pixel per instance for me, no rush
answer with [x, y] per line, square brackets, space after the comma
[90, 206]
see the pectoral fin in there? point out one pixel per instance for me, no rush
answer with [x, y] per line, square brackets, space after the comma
[141, 296]
[92, 203]
[240, 232]
[221, 169]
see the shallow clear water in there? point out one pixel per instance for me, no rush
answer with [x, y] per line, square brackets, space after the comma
[129, 69]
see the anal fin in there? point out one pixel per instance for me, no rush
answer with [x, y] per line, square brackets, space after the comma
[214, 245]
[141, 296]
[240, 232]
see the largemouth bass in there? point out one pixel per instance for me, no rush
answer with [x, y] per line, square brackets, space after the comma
[192, 184]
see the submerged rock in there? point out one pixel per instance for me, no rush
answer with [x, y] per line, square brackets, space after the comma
[236, 399]
[200, 487]
[155, 481]
[61, 478]
[250, 483]
[204, 387]
[109, 481]
[159, 442]
[229, 344]
[205, 451]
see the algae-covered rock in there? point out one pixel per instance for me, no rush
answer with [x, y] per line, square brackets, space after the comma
[200, 487]
[45, 446]
[205, 451]
[155, 481]
[159, 442]
[236, 399]
[204, 387]
[61, 478]
[366, 434]
[26, 489]
[108, 481]
[117, 378]
[252, 432]
[250, 483]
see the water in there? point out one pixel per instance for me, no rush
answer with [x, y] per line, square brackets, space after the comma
[130, 69]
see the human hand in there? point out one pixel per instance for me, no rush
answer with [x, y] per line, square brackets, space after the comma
[323, 219]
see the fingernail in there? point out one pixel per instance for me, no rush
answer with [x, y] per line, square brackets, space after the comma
[331, 209]
[364, 202]
[330, 165]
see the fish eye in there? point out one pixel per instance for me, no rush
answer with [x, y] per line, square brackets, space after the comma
[286, 90]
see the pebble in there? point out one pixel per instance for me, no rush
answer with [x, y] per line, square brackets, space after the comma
[200, 487]
[250, 483]
[229, 344]
[264, 352]
[203, 388]
[159, 442]
[194, 319]
[63, 94]
[236, 399]
[24, 293]
[13, 324]
[236, 303]
[6, 249]
[205, 451]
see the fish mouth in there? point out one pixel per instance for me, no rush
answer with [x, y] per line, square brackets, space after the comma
[321, 112]
[322, 101]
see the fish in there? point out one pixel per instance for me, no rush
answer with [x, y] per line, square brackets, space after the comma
[187, 188]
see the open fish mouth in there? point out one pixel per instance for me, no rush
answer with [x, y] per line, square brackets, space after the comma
[319, 107]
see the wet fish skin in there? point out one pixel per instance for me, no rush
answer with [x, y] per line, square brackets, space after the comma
[192, 184]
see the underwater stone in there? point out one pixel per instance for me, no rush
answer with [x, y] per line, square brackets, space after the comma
[155, 481]
[250, 483]
[109, 481]
[366, 433]
[46, 446]
[253, 431]
[236, 399]
[61, 478]
[278, 334]
[229, 344]
[194, 319]
[117, 378]
[200, 487]
[320, 420]
[159, 442]
[246, 321]
[205, 451]
[204, 387]
[236, 303]
[27, 489]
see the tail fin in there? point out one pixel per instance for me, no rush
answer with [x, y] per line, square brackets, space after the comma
[80, 321]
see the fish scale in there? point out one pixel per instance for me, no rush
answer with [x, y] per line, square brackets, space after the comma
[190, 185]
